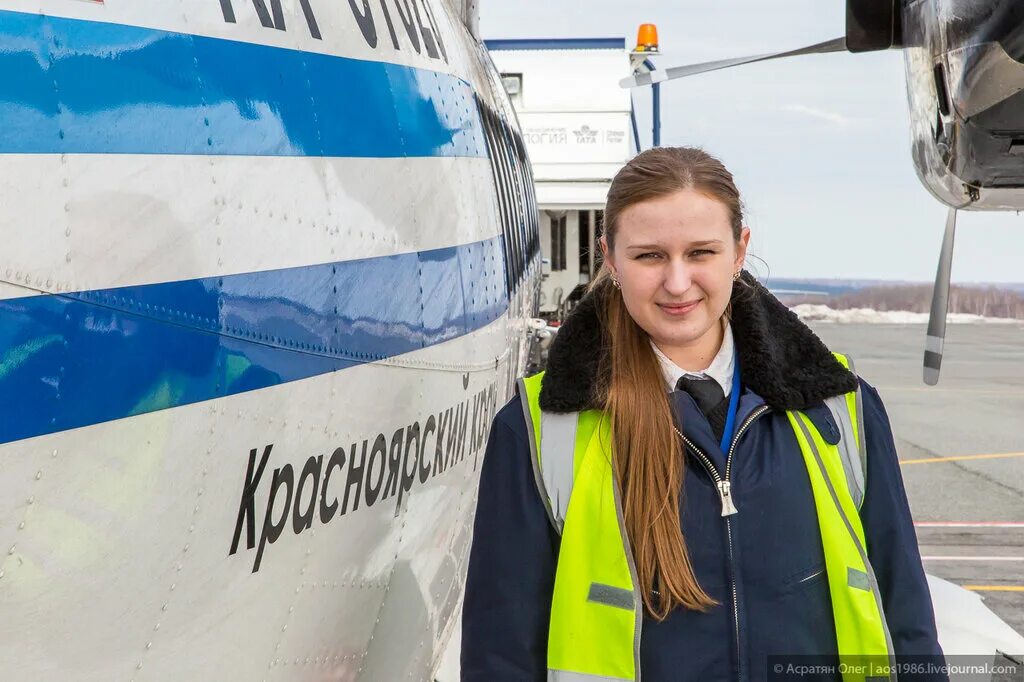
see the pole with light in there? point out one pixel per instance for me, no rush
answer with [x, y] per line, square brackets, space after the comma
[639, 62]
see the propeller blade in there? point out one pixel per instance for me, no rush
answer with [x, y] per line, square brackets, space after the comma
[940, 305]
[835, 45]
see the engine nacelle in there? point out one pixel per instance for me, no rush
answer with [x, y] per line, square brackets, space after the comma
[965, 84]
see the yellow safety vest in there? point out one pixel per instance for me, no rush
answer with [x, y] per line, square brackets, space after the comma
[596, 607]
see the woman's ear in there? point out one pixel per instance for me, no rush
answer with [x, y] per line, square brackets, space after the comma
[741, 249]
[605, 253]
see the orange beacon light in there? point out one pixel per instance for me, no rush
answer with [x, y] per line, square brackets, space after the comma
[647, 38]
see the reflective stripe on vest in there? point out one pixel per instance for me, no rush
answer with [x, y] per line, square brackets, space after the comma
[847, 412]
[566, 676]
[591, 637]
[529, 394]
[594, 630]
[558, 434]
[862, 634]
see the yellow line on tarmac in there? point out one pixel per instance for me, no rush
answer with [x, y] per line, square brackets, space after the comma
[931, 460]
[994, 588]
[949, 389]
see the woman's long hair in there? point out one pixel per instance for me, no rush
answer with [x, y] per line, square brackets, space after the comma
[647, 453]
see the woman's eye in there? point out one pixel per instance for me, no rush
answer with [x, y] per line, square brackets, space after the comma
[697, 253]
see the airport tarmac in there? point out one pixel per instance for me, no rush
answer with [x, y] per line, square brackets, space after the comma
[961, 444]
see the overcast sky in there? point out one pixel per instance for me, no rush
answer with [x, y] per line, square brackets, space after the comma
[819, 145]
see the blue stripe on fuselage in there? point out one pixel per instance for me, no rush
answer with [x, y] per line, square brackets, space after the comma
[73, 86]
[72, 360]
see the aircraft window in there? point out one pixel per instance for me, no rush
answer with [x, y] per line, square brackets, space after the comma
[518, 196]
[514, 201]
[501, 156]
[526, 195]
[517, 203]
[534, 213]
[487, 115]
[509, 174]
[533, 222]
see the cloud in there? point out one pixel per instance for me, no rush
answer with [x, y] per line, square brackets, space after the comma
[836, 119]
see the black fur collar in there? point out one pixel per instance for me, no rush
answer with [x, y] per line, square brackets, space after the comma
[780, 358]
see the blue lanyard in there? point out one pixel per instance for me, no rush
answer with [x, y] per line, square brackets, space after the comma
[734, 402]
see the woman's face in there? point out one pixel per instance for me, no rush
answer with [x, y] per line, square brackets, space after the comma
[675, 258]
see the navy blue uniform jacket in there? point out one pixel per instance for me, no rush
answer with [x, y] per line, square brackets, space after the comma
[782, 605]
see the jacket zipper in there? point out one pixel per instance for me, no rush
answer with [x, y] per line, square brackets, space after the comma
[724, 486]
[728, 509]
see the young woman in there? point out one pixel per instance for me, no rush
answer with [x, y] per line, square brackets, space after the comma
[696, 488]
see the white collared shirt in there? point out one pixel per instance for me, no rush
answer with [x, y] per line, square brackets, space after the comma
[721, 367]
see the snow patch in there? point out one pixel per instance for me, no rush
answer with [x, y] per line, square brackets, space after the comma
[810, 312]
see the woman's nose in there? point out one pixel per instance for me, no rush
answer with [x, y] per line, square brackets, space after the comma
[677, 277]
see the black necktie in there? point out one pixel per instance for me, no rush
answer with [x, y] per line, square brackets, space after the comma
[710, 399]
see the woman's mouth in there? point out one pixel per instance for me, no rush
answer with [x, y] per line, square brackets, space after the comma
[680, 308]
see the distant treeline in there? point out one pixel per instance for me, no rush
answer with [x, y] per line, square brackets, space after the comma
[917, 298]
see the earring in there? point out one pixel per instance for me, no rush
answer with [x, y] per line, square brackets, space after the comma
[736, 275]
[615, 282]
